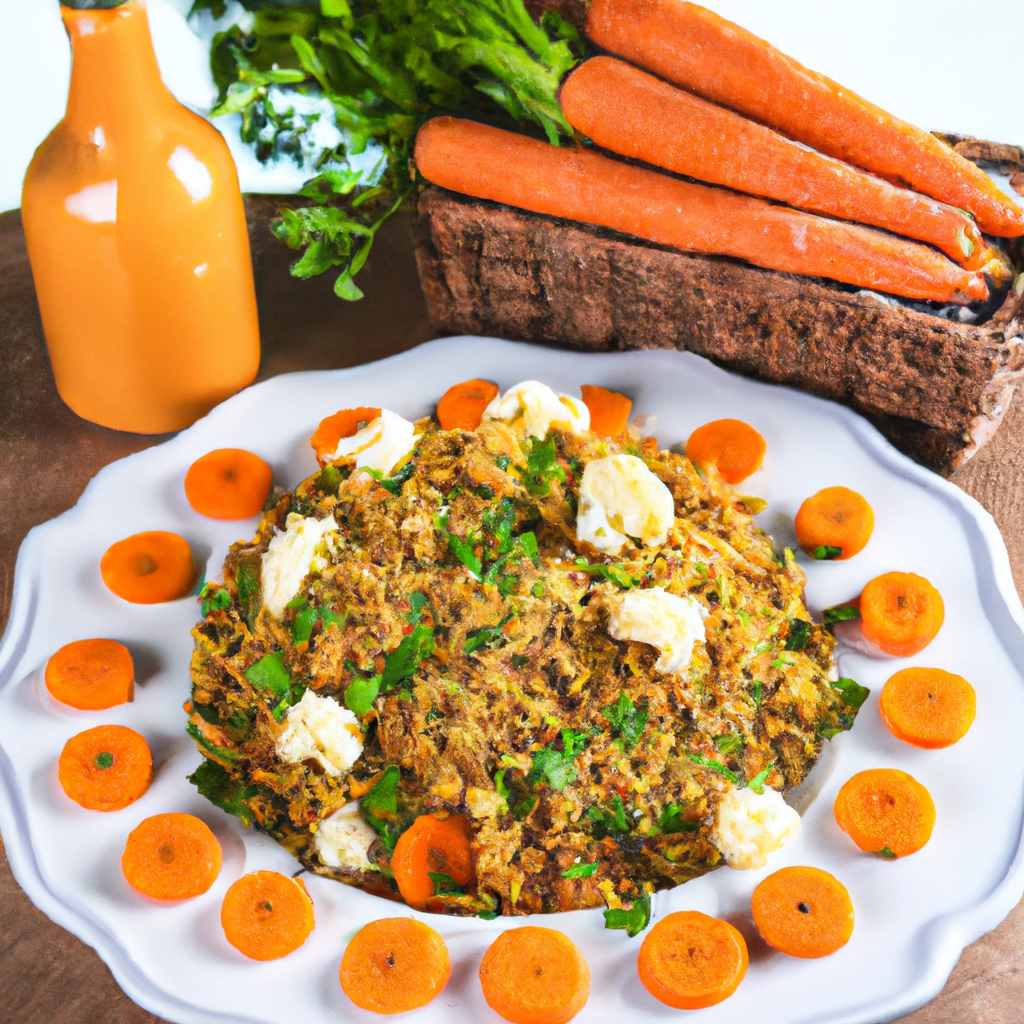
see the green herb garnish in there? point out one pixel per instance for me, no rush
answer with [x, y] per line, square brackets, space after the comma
[555, 767]
[671, 820]
[445, 885]
[616, 573]
[826, 552]
[632, 920]
[715, 766]
[612, 820]
[487, 636]
[581, 870]
[840, 613]
[217, 785]
[627, 719]
[799, 634]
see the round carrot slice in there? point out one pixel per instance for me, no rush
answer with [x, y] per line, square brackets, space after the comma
[927, 707]
[462, 405]
[171, 857]
[345, 423]
[609, 411]
[885, 811]
[91, 675]
[835, 523]
[690, 960]
[394, 965]
[106, 768]
[149, 568]
[266, 915]
[430, 846]
[734, 446]
[229, 483]
[803, 911]
[534, 976]
[901, 613]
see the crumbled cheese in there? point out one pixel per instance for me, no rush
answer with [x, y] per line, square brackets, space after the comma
[533, 409]
[671, 624]
[750, 825]
[483, 803]
[320, 727]
[621, 498]
[380, 445]
[289, 558]
[343, 839]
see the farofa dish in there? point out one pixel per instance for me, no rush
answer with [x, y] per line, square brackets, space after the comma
[513, 669]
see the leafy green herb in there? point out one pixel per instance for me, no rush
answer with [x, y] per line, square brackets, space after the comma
[780, 663]
[799, 634]
[581, 870]
[270, 674]
[463, 551]
[502, 462]
[555, 767]
[211, 748]
[627, 719]
[487, 636]
[445, 885]
[499, 784]
[634, 920]
[485, 492]
[826, 553]
[715, 766]
[840, 613]
[487, 915]
[393, 484]
[435, 714]
[756, 691]
[671, 820]
[328, 480]
[214, 599]
[329, 618]
[216, 784]
[381, 803]
[523, 808]
[616, 573]
[886, 853]
[610, 820]
[541, 467]
[852, 692]
[758, 781]
[302, 628]
[701, 568]
[537, 590]
[730, 744]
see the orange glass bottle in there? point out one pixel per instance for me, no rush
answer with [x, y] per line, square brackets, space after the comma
[137, 239]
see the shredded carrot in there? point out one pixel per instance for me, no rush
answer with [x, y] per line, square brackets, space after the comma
[171, 857]
[430, 846]
[345, 423]
[927, 707]
[91, 675]
[534, 975]
[735, 447]
[266, 915]
[885, 811]
[835, 523]
[462, 406]
[609, 411]
[803, 911]
[689, 960]
[695, 48]
[394, 965]
[149, 568]
[106, 768]
[901, 613]
[229, 483]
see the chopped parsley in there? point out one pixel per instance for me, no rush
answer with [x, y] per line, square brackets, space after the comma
[840, 613]
[799, 634]
[270, 674]
[214, 599]
[826, 552]
[519, 661]
[393, 483]
[487, 636]
[610, 820]
[581, 870]
[715, 766]
[380, 804]
[730, 744]
[886, 853]
[616, 573]
[758, 781]
[627, 719]
[223, 791]
[445, 885]
[633, 920]
[671, 820]
[554, 768]
[541, 467]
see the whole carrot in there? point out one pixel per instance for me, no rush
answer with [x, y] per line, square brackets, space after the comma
[695, 48]
[489, 163]
[637, 115]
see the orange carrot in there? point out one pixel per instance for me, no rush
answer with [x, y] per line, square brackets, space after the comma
[695, 48]
[637, 115]
[91, 675]
[171, 857]
[835, 523]
[229, 483]
[609, 411]
[901, 613]
[462, 406]
[266, 915]
[885, 811]
[430, 846]
[534, 975]
[732, 445]
[690, 960]
[394, 965]
[106, 768]
[803, 911]
[927, 707]
[332, 429]
[149, 568]
[581, 185]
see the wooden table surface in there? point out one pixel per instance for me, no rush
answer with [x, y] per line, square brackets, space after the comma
[48, 455]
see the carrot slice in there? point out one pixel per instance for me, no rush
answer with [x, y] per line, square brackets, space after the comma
[835, 523]
[91, 675]
[637, 115]
[345, 423]
[689, 960]
[229, 483]
[803, 911]
[394, 965]
[609, 411]
[266, 915]
[927, 707]
[695, 48]
[462, 406]
[149, 568]
[430, 846]
[171, 857]
[734, 446]
[885, 811]
[534, 975]
[581, 185]
[106, 768]
[901, 613]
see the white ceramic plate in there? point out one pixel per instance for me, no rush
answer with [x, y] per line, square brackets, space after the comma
[913, 916]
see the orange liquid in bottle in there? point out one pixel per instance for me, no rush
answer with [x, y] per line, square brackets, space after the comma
[137, 240]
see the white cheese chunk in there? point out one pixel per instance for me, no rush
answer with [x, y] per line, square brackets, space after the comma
[621, 498]
[380, 445]
[533, 409]
[320, 727]
[343, 839]
[289, 558]
[750, 825]
[671, 624]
